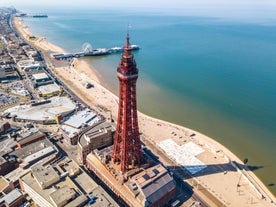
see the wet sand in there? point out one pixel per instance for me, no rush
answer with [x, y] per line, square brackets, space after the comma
[219, 179]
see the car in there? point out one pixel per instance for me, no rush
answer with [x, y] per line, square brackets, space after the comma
[92, 200]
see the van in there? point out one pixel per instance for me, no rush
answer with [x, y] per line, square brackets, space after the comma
[175, 203]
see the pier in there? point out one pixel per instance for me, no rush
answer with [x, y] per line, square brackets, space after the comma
[38, 15]
[87, 51]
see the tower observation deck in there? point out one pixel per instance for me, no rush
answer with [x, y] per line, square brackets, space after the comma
[127, 146]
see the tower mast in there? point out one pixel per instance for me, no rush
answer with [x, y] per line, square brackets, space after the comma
[127, 146]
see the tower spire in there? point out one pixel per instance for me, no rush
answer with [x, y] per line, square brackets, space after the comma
[127, 45]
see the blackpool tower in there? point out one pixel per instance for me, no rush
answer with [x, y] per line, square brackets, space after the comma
[127, 147]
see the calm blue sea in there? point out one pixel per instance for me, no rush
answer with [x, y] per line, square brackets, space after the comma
[213, 75]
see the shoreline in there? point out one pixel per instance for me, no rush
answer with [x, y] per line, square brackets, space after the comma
[100, 96]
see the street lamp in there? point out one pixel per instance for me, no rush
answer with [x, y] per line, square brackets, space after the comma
[245, 161]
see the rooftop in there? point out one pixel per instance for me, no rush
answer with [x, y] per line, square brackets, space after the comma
[70, 191]
[148, 175]
[3, 183]
[31, 137]
[85, 183]
[101, 128]
[72, 126]
[82, 117]
[47, 89]
[154, 183]
[25, 62]
[30, 181]
[31, 148]
[43, 112]
[38, 155]
[63, 195]
[7, 146]
[40, 76]
[29, 132]
[28, 64]
[2, 160]
[11, 197]
[14, 175]
[44, 175]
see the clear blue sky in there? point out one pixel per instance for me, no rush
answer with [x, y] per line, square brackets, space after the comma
[221, 8]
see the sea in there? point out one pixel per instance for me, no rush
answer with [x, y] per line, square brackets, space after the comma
[212, 74]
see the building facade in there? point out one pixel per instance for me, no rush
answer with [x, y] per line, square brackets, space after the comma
[98, 137]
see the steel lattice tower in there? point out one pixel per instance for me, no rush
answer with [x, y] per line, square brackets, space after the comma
[127, 147]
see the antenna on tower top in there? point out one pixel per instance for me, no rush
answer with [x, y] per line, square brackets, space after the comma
[127, 45]
[128, 28]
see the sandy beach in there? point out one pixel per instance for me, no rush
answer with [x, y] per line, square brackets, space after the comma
[221, 184]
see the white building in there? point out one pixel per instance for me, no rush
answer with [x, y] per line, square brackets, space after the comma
[28, 64]
[75, 124]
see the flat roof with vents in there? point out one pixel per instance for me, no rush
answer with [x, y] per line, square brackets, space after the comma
[40, 76]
